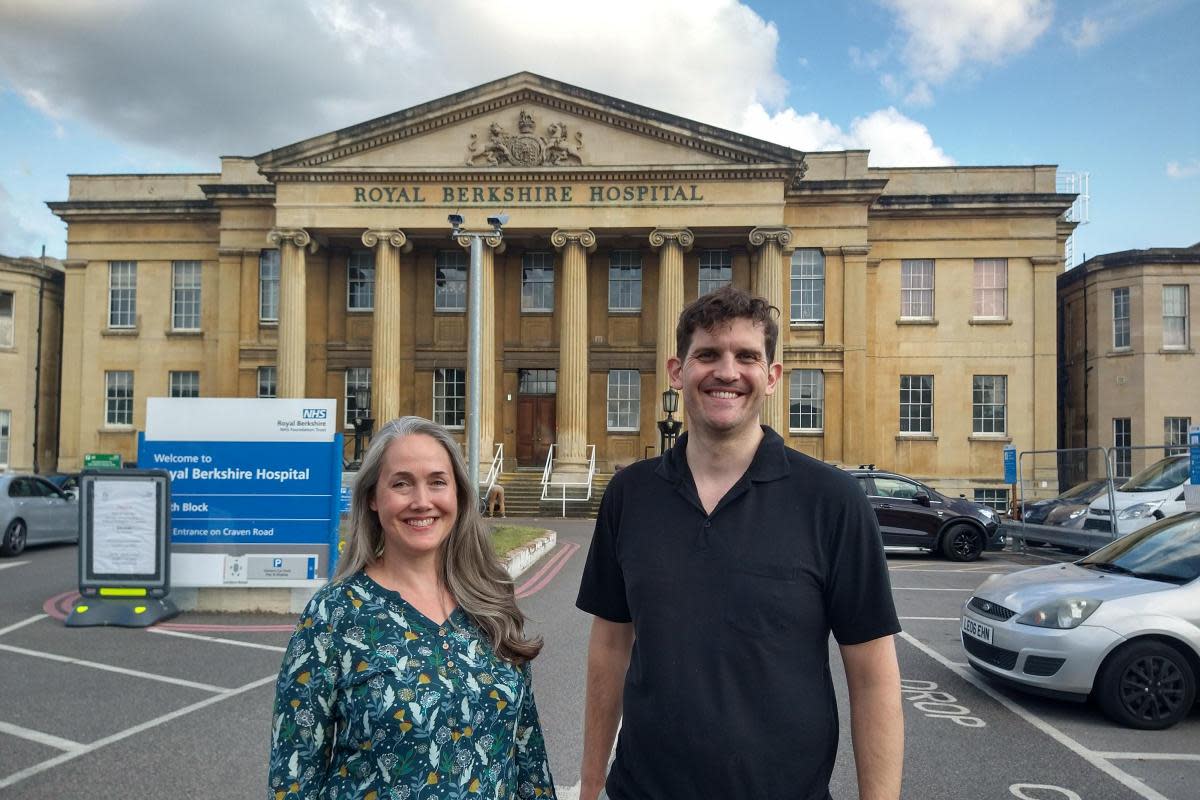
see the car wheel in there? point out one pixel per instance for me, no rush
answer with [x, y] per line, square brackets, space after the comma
[962, 543]
[14, 538]
[1146, 685]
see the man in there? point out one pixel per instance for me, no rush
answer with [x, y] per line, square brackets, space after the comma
[715, 576]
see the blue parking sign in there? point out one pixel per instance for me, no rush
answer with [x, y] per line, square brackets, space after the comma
[1010, 464]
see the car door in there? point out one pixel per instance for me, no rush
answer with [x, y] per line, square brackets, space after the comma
[61, 513]
[902, 520]
[28, 506]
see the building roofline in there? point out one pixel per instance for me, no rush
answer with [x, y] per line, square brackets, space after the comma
[1130, 258]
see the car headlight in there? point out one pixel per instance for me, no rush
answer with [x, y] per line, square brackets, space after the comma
[1140, 510]
[1065, 613]
[1077, 513]
[990, 513]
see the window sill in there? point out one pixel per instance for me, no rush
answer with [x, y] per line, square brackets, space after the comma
[932, 321]
[916, 437]
[987, 321]
[119, 332]
[268, 323]
[116, 429]
[1175, 351]
[541, 312]
[1118, 352]
[624, 312]
[356, 312]
[186, 334]
[624, 431]
[990, 437]
[807, 325]
[808, 433]
[449, 311]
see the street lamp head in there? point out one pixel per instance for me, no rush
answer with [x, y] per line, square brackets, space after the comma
[456, 222]
[362, 399]
[497, 222]
[670, 401]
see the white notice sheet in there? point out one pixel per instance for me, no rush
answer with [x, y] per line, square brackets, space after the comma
[124, 519]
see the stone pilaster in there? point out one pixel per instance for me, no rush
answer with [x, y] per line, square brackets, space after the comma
[385, 347]
[769, 282]
[854, 359]
[573, 348]
[487, 355]
[293, 321]
[671, 244]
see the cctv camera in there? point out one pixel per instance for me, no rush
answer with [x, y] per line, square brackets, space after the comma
[498, 221]
[455, 220]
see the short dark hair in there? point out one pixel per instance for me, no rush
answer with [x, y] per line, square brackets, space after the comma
[722, 306]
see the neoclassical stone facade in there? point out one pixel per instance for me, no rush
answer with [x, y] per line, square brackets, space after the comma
[918, 305]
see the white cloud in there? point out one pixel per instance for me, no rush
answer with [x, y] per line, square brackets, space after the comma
[1110, 19]
[893, 139]
[941, 38]
[1185, 170]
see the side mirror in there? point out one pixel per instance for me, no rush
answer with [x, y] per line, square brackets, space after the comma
[921, 499]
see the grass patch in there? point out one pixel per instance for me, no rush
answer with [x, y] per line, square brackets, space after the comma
[509, 537]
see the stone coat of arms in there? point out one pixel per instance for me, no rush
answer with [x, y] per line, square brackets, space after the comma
[525, 148]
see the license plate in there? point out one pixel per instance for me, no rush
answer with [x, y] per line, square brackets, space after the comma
[977, 629]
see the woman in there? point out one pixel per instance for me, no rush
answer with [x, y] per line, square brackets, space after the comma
[408, 675]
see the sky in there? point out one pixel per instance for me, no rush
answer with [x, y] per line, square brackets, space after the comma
[1110, 88]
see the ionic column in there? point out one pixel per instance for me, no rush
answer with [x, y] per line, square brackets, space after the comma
[293, 322]
[768, 281]
[671, 244]
[487, 353]
[573, 348]
[385, 345]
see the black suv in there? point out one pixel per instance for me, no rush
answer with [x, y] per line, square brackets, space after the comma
[913, 515]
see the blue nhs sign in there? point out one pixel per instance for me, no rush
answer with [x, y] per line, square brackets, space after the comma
[314, 413]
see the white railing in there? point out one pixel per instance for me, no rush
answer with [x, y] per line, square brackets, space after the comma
[563, 490]
[494, 473]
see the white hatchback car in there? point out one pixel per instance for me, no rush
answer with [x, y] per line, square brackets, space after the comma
[1121, 625]
[1154, 493]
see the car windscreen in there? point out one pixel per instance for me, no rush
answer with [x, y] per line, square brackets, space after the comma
[1084, 492]
[1165, 474]
[1168, 550]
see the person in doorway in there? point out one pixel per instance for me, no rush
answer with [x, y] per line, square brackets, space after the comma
[495, 501]
[408, 674]
[716, 573]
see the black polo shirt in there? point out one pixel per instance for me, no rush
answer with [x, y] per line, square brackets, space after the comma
[728, 693]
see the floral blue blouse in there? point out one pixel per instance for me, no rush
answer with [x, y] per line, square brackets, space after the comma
[375, 701]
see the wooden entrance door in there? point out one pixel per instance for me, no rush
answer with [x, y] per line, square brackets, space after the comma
[535, 429]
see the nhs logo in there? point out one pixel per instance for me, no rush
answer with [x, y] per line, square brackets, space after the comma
[314, 413]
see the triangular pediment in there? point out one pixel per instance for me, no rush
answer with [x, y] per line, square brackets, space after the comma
[521, 123]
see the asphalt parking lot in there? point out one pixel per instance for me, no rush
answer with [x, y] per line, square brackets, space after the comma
[183, 710]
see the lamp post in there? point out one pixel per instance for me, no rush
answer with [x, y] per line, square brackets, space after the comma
[475, 326]
[362, 424]
[668, 429]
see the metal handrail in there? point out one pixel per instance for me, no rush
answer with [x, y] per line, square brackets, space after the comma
[548, 472]
[494, 472]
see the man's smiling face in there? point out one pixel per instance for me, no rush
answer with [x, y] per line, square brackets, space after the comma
[724, 378]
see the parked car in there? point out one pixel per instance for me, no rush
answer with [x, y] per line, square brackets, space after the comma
[913, 515]
[1037, 512]
[1121, 625]
[1154, 493]
[34, 511]
[67, 482]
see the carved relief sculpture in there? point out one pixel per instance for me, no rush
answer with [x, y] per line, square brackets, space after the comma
[525, 148]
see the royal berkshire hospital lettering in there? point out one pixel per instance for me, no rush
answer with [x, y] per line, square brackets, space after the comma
[529, 195]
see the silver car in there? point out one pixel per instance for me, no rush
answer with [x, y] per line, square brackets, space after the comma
[1121, 625]
[33, 511]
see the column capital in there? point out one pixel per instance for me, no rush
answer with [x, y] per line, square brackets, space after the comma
[681, 236]
[583, 237]
[492, 240]
[861, 251]
[779, 235]
[393, 236]
[294, 236]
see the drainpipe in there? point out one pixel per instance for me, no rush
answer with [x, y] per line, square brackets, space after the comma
[37, 365]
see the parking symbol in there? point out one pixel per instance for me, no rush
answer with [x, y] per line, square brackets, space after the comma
[277, 563]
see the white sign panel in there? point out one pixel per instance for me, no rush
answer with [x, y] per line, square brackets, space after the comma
[235, 419]
[124, 514]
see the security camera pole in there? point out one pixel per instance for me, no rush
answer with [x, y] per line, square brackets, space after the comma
[475, 327]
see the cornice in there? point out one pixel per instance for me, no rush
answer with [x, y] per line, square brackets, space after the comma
[540, 175]
[926, 205]
[68, 210]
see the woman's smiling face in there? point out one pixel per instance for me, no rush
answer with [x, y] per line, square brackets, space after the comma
[416, 497]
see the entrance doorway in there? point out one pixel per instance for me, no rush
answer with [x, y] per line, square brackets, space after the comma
[536, 400]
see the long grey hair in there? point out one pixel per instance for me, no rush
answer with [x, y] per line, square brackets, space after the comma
[470, 569]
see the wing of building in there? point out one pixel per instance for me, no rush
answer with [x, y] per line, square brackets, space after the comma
[918, 305]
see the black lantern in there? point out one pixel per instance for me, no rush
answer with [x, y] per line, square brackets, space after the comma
[363, 423]
[668, 429]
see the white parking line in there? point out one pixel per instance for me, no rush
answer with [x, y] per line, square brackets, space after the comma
[1150, 756]
[22, 623]
[47, 739]
[7, 564]
[225, 694]
[150, 676]
[184, 635]
[1097, 760]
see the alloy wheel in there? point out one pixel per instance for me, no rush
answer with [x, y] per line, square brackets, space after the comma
[1152, 688]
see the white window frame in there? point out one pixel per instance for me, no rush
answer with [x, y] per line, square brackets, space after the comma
[991, 282]
[808, 286]
[911, 398]
[450, 293]
[1176, 336]
[996, 499]
[1120, 318]
[719, 260]
[268, 285]
[268, 381]
[1122, 428]
[983, 423]
[5, 436]
[118, 398]
[537, 273]
[624, 400]
[181, 381]
[806, 388]
[185, 295]
[450, 409]
[122, 295]
[360, 280]
[8, 319]
[625, 280]
[356, 377]
[918, 281]
[1175, 435]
